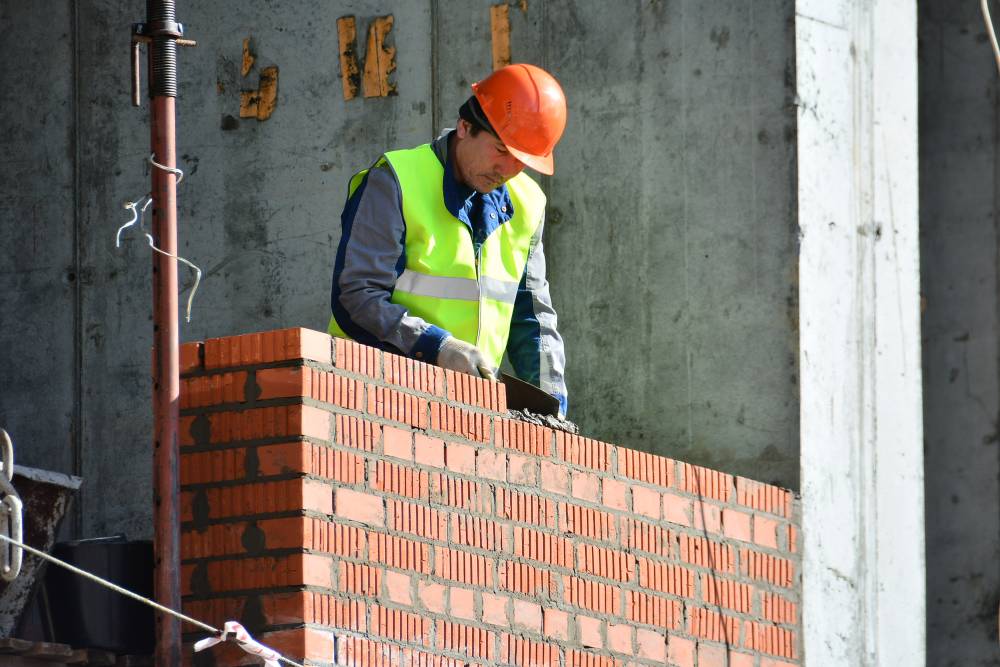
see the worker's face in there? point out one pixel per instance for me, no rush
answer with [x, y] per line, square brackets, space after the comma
[482, 162]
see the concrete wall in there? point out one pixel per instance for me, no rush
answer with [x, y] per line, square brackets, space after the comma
[862, 454]
[958, 202]
[671, 233]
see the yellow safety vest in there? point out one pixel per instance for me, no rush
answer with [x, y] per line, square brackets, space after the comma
[444, 282]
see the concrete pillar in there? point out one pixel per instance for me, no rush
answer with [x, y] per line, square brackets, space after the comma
[861, 418]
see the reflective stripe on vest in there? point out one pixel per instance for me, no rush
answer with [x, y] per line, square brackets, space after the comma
[443, 283]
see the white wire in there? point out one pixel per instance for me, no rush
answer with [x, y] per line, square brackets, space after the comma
[173, 170]
[124, 591]
[984, 5]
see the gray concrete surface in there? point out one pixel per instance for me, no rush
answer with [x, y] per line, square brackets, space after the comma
[958, 201]
[671, 236]
[862, 455]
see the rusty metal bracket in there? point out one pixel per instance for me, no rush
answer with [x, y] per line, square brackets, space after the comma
[145, 33]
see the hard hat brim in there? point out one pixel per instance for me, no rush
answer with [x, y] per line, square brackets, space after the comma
[543, 164]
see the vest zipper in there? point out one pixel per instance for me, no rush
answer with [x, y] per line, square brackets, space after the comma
[479, 305]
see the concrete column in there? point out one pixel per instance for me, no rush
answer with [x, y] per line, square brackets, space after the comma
[861, 417]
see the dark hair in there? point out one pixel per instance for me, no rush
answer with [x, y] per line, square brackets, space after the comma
[473, 114]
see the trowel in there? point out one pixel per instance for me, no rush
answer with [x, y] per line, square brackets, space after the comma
[523, 395]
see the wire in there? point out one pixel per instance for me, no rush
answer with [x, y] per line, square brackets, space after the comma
[124, 591]
[984, 5]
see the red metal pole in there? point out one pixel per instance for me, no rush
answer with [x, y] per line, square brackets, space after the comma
[166, 384]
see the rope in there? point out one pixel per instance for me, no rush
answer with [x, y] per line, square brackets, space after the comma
[984, 5]
[127, 593]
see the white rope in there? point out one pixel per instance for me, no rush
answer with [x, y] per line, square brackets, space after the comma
[173, 170]
[127, 593]
[984, 5]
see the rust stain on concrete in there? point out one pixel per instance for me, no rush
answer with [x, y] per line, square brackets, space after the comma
[500, 28]
[380, 60]
[248, 57]
[350, 72]
[260, 103]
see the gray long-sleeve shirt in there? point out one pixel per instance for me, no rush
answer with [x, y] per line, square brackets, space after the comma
[371, 257]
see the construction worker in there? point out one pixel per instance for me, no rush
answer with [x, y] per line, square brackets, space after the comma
[441, 258]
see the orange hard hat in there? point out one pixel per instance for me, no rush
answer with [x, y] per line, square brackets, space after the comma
[527, 109]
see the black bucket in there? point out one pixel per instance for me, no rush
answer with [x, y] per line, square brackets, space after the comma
[88, 615]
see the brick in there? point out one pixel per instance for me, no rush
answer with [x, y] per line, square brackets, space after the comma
[554, 478]
[463, 494]
[397, 406]
[769, 662]
[524, 578]
[680, 651]
[431, 596]
[356, 358]
[793, 536]
[321, 535]
[400, 625]
[470, 425]
[255, 424]
[587, 522]
[707, 517]
[472, 531]
[646, 467]
[362, 507]
[614, 494]
[737, 659]
[491, 464]
[652, 610]
[764, 497]
[291, 495]
[576, 658]
[463, 566]
[666, 578]
[677, 509]
[309, 458]
[652, 645]
[763, 567]
[216, 466]
[495, 609]
[524, 437]
[706, 553]
[768, 638]
[779, 609]
[646, 502]
[555, 624]
[707, 624]
[765, 532]
[460, 458]
[401, 480]
[397, 443]
[190, 357]
[583, 452]
[464, 639]
[706, 482]
[620, 639]
[727, 593]
[398, 587]
[543, 547]
[256, 573]
[416, 519]
[527, 615]
[357, 433]
[586, 486]
[646, 536]
[463, 388]
[520, 651]
[462, 603]
[588, 631]
[428, 451]
[214, 389]
[399, 552]
[360, 579]
[268, 347]
[522, 470]
[712, 656]
[525, 508]
[592, 595]
[413, 374]
[283, 382]
[606, 563]
[736, 525]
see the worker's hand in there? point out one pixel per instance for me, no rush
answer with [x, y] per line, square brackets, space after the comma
[457, 355]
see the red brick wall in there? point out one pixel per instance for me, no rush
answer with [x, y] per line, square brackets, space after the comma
[357, 508]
